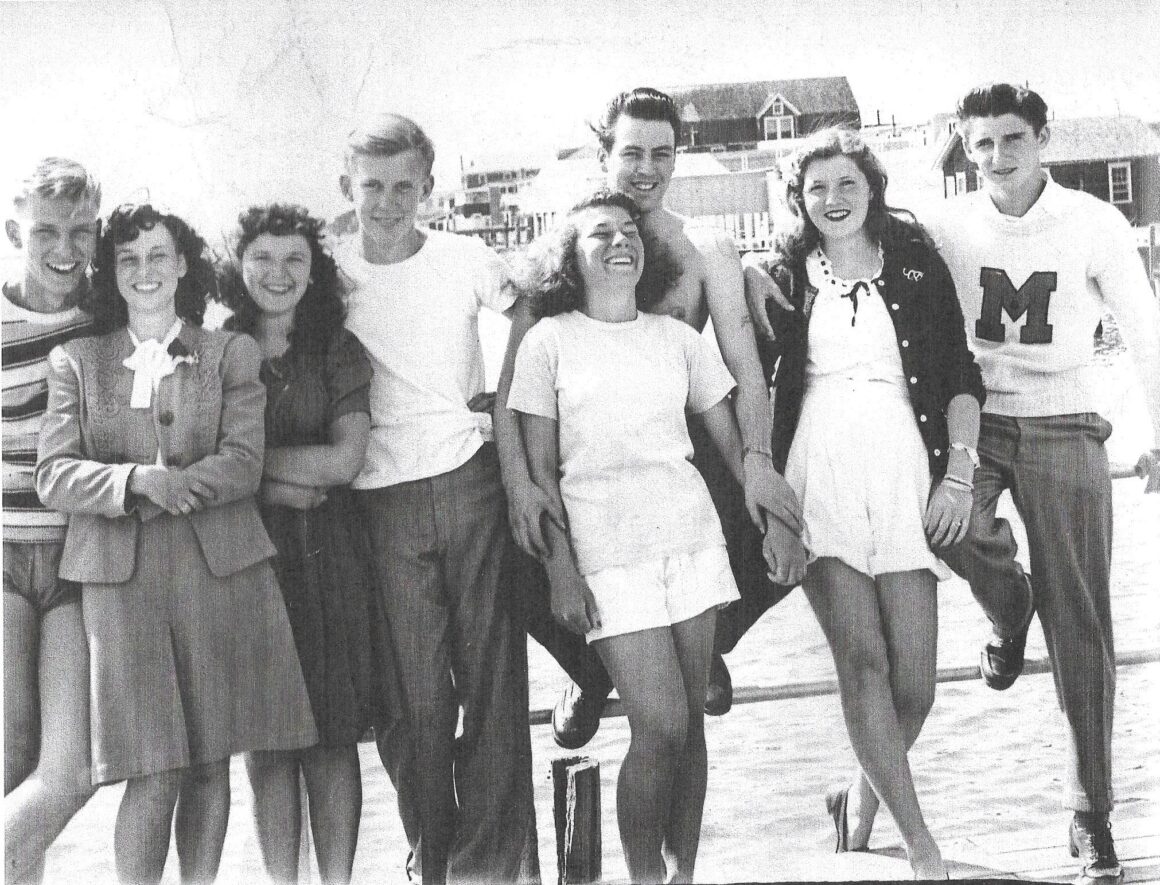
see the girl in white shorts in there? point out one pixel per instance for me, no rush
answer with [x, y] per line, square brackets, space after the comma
[602, 389]
[877, 395]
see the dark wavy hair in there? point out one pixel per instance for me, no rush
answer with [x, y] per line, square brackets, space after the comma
[319, 315]
[800, 236]
[997, 99]
[642, 103]
[557, 285]
[125, 224]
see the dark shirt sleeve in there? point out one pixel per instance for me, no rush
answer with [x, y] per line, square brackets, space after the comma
[959, 371]
[348, 377]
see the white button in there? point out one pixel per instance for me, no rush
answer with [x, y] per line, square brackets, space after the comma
[937, 452]
[913, 379]
[894, 307]
[878, 283]
[905, 343]
[922, 418]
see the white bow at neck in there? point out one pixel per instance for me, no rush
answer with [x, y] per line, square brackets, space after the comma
[150, 361]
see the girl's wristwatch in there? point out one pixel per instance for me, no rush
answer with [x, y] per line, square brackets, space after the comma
[972, 454]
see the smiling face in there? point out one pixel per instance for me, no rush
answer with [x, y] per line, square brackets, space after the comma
[276, 271]
[608, 249]
[58, 237]
[1007, 151]
[386, 193]
[148, 270]
[641, 160]
[836, 196]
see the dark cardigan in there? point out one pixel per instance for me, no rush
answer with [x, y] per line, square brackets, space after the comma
[928, 324]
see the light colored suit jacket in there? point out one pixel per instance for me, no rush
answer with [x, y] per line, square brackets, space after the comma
[206, 419]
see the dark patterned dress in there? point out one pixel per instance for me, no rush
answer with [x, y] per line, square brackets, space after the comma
[322, 563]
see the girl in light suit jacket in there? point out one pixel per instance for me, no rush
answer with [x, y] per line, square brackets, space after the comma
[153, 443]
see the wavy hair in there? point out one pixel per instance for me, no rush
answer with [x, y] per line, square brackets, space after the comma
[556, 285]
[800, 236]
[997, 99]
[125, 224]
[319, 314]
[642, 103]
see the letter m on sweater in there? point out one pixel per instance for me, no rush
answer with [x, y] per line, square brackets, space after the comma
[1032, 298]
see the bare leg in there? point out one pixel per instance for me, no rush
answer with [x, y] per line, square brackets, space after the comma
[334, 784]
[694, 640]
[203, 811]
[38, 809]
[847, 605]
[141, 837]
[647, 675]
[21, 722]
[913, 661]
[277, 810]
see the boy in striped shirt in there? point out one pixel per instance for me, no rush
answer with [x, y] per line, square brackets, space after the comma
[46, 676]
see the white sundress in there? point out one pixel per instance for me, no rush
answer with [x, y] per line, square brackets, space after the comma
[857, 462]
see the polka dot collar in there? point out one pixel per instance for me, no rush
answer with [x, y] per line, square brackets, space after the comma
[820, 272]
[826, 270]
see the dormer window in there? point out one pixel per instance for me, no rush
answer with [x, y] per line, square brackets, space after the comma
[778, 119]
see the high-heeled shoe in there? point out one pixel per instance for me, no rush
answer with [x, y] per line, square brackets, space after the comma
[837, 802]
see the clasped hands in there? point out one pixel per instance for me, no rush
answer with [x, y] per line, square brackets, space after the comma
[173, 490]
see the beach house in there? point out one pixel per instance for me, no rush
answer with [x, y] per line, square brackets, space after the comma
[740, 116]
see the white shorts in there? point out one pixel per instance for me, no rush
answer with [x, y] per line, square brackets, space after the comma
[661, 592]
[859, 467]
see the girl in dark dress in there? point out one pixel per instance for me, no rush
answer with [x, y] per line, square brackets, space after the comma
[284, 290]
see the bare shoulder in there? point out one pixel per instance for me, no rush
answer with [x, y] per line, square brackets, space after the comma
[712, 242]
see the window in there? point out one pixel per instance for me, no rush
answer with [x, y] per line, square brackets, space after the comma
[961, 182]
[777, 109]
[777, 127]
[1120, 182]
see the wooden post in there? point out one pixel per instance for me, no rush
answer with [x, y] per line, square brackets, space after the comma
[576, 790]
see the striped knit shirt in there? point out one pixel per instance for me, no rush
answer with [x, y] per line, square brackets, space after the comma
[27, 339]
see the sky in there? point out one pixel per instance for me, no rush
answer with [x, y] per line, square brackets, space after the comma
[208, 106]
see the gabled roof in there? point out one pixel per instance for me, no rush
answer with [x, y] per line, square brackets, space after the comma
[732, 101]
[1086, 139]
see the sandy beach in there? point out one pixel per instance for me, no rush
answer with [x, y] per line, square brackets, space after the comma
[988, 766]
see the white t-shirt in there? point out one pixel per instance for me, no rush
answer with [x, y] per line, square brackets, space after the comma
[620, 392]
[419, 322]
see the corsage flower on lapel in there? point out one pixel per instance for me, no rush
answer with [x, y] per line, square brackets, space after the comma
[181, 353]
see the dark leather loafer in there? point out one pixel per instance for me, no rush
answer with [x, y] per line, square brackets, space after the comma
[1090, 839]
[719, 698]
[1001, 660]
[576, 716]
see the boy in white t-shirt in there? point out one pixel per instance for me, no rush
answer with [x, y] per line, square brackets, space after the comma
[436, 513]
[1035, 265]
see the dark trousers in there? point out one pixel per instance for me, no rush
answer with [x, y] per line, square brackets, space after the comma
[529, 582]
[466, 802]
[1057, 472]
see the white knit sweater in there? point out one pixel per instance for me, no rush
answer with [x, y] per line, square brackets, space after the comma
[1033, 290]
